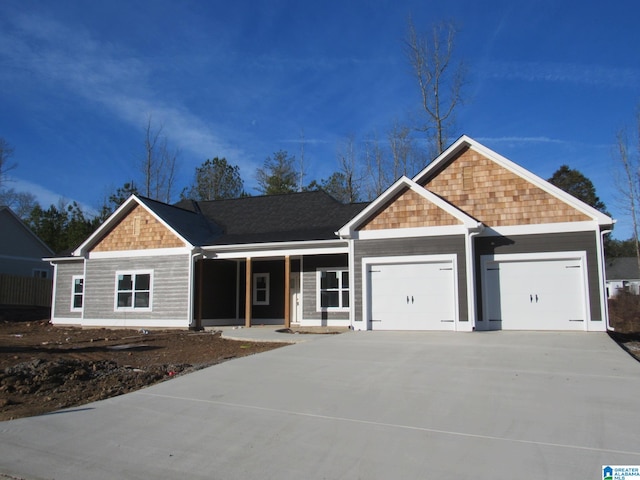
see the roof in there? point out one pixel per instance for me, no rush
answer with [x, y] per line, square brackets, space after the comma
[43, 248]
[622, 268]
[301, 216]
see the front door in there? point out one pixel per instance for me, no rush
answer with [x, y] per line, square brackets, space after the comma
[294, 292]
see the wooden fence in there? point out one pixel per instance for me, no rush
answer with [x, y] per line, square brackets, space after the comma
[25, 291]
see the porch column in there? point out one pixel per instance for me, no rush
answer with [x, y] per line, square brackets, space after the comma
[287, 291]
[247, 297]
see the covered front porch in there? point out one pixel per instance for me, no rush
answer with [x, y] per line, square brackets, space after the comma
[274, 290]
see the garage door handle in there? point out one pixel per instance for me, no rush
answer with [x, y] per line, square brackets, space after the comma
[411, 299]
[530, 298]
[407, 300]
[536, 298]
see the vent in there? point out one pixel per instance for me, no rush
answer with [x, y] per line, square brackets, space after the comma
[467, 178]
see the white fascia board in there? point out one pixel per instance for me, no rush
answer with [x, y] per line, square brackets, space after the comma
[410, 232]
[276, 249]
[118, 215]
[541, 228]
[465, 141]
[348, 230]
[63, 259]
[152, 252]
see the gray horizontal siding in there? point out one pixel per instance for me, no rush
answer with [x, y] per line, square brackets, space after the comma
[445, 245]
[170, 287]
[551, 242]
[63, 281]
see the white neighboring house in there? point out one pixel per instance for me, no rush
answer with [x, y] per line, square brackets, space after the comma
[21, 250]
[622, 274]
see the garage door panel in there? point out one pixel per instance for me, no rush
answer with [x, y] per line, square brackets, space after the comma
[412, 296]
[536, 294]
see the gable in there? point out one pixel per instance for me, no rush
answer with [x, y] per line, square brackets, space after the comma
[138, 230]
[17, 240]
[495, 195]
[408, 209]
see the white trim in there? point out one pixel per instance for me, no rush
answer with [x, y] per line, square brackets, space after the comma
[267, 289]
[54, 260]
[235, 252]
[55, 291]
[465, 141]
[152, 252]
[409, 259]
[339, 271]
[541, 228]
[133, 308]
[118, 215]
[124, 322]
[580, 255]
[351, 263]
[73, 293]
[410, 232]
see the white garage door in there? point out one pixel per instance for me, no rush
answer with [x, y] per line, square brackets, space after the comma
[412, 296]
[534, 294]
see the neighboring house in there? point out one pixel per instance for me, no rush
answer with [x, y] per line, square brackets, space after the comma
[21, 251]
[473, 242]
[623, 275]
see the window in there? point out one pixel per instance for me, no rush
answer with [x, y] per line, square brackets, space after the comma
[39, 273]
[261, 289]
[133, 290]
[77, 293]
[333, 290]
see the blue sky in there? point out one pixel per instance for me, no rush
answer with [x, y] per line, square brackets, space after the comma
[549, 83]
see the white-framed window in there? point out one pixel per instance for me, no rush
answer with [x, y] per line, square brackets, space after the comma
[77, 293]
[40, 273]
[332, 289]
[261, 289]
[134, 290]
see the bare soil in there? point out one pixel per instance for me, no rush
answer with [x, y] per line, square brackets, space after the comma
[45, 368]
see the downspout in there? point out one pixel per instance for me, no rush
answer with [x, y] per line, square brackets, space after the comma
[196, 253]
[603, 280]
[471, 274]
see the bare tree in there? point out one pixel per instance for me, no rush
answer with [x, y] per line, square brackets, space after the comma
[406, 160]
[158, 166]
[348, 168]
[440, 81]
[301, 172]
[628, 180]
[378, 174]
[6, 152]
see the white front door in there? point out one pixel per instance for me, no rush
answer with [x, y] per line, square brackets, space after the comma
[412, 296]
[521, 293]
[294, 291]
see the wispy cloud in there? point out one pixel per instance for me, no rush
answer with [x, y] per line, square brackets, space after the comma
[600, 75]
[105, 74]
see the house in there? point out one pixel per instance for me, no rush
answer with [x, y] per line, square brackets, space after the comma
[622, 274]
[472, 242]
[21, 251]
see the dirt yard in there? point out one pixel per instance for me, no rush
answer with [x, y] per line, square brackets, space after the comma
[45, 368]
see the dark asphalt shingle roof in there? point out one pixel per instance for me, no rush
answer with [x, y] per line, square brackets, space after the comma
[271, 218]
[196, 229]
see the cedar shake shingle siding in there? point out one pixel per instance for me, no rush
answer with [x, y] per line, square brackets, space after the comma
[409, 210]
[139, 230]
[496, 196]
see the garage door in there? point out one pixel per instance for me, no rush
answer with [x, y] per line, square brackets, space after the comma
[534, 294]
[412, 296]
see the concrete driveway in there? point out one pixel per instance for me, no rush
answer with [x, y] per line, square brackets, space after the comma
[361, 405]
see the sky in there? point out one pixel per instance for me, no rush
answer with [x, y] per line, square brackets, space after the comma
[548, 83]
